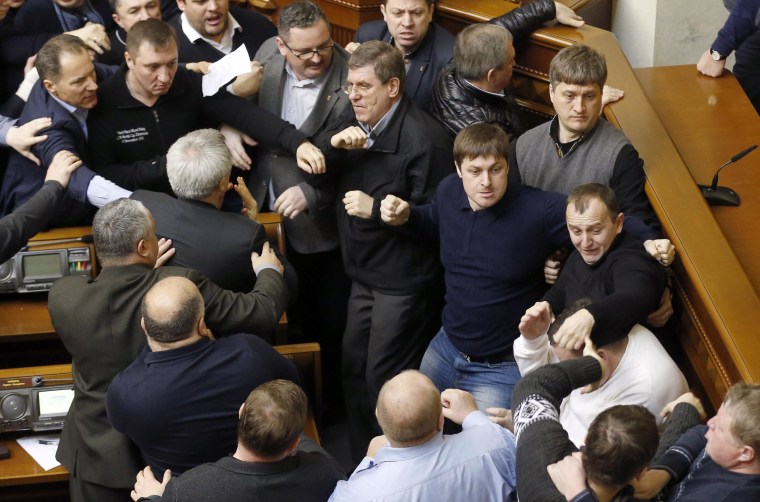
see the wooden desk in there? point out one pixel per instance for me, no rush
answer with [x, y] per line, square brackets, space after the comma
[21, 469]
[710, 120]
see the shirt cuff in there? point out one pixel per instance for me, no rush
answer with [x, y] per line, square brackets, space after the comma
[475, 419]
[101, 191]
[266, 266]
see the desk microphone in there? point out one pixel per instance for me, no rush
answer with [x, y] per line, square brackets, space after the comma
[86, 239]
[723, 196]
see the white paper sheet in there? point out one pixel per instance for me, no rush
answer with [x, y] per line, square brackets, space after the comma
[230, 66]
[42, 449]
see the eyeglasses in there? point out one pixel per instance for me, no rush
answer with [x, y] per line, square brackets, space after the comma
[360, 89]
[304, 55]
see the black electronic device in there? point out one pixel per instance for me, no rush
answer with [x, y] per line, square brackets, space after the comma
[723, 196]
[34, 408]
[34, 271]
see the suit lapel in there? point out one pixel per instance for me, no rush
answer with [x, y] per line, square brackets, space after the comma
[271, 85]
[328, 97]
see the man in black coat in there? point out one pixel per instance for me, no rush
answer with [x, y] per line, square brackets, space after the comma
[386, 145]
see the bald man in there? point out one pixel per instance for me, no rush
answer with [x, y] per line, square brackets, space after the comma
[178, 401]
[413, 460]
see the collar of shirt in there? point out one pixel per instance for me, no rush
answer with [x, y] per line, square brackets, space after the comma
[294, 82]
[374, 132]
[225, 45]
[162, 356]
[79, 113]
[391, 454]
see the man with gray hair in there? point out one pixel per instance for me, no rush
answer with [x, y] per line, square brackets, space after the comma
[473, 88]
[198, 166]
[98, 322]
[385, 145]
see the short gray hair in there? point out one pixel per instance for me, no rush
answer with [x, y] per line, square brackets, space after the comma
[479, 48]
[386, 60]
[299, 15]
[197, 162]
[117, 229]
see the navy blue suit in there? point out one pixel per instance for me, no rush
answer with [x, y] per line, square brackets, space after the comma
[427, 61]
[23, 178]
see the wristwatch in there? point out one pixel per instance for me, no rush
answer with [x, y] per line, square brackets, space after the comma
[716, 55]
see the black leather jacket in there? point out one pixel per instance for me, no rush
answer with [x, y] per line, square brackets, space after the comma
[457, 103]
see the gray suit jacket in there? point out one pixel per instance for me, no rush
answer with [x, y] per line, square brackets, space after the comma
[315, 231]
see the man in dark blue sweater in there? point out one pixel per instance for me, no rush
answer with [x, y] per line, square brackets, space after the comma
[494, 236]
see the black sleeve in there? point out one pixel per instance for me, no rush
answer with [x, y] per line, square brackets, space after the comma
[253, 120]
[541, 440]
[627, 182]
[525, 20]
[29, 218]
[683, 418]
[12, 107]
[147, 174]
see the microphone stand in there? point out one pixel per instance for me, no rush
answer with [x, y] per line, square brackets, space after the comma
[720, 195]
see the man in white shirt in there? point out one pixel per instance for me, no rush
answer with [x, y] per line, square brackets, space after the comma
[638, 371]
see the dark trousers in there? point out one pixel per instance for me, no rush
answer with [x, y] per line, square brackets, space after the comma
[385, 334]
[319, 314]
[84, 491]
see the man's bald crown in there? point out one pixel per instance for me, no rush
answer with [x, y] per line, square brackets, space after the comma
[172, 309]
[409, 408]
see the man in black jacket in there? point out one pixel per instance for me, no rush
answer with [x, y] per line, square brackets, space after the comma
[428, 47]
[473, 87]
[151, 102]
[394, 307]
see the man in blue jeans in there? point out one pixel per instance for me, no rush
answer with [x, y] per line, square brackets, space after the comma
[494, 237]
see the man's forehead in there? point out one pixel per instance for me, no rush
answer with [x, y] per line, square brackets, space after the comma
[407, 4]
[149, 52]
[363, 74]
[75, 64]
[125, 5]
[317, 33]
[484, 161]
[577, 88]
[595, 212]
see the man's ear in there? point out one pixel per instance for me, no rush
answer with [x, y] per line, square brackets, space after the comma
[281, 46]
[116, 19]
[202, 329]
[181, 5]
[619, 223]
[394, 87]
[747, 454]
[142, 325]
[240, 411]
[382, 11]
[142, 248]
[459, 171]
[49, 86]
[491, 75]
[551, 93]
[129, 60]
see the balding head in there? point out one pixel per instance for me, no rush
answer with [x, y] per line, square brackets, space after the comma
[409, 409]
[172, 310]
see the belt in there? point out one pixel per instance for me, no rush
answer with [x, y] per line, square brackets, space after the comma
[506, 356]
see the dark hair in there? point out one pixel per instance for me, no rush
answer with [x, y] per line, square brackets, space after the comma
[481, 140]
[303, 14]
[578, 65]
[387, 61]
[582, 196]
[620, 443]
[274, 415]
[153, 31]
[180, 320]
[48, 62]
[479, 48]
[562, 317]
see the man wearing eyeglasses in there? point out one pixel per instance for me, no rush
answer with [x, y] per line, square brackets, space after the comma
[386, 145]
[301, 83]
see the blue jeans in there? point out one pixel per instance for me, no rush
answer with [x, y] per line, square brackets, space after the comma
[491, 384]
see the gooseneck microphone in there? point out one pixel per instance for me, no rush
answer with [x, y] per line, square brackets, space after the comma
[723, 196]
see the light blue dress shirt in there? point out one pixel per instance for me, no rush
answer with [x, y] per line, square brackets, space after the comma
[478, 464]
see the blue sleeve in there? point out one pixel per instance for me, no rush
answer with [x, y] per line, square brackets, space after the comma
[679, 457]
[741, 23]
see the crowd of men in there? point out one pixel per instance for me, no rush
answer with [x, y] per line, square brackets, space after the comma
[461, 271]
